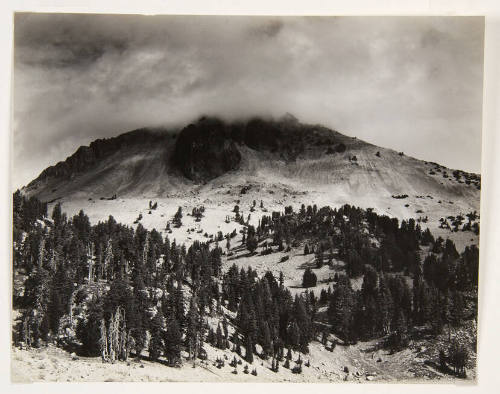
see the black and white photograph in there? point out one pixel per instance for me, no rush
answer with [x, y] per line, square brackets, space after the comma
[239, 198]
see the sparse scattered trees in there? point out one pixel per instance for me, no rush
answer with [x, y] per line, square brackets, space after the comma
[139, 281]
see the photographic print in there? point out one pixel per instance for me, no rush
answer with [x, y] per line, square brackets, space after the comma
[245, 198]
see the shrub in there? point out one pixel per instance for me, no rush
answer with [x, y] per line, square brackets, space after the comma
[458, 356]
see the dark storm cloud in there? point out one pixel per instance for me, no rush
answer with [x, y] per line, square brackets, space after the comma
[413, 84]
[268, 29]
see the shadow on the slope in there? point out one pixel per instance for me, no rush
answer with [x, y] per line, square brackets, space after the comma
[312, 264]
[443, 369]
[308, 264]
[72, 347]
[380, 345]
[79, 351]
[240, 256]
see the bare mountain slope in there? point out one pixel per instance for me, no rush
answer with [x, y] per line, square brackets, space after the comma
[154, 162]
[280, 162]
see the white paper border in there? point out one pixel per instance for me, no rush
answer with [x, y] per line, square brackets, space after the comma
[489, 294]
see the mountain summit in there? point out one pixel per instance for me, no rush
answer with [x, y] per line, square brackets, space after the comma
[150, 161]
[214, 160]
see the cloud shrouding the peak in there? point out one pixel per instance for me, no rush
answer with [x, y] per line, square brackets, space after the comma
[407, 83]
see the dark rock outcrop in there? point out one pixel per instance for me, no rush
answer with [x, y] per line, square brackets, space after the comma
[206, 150]
[263, 135]
[201, 151]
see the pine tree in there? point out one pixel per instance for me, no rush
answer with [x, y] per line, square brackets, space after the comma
[88, 330]
[398, 338]
[157, 333]
[436, 312]
[458, 356]
[211, 337]
[303, 321]
[224, 327]
[37, 296]
[319, 256]
[340, 310]
[220, 343]
[251, 242]
[193, 329]
[293, 335]
[177, 221]
[173, 341]
[249, 350]
[61, 289]
[309, 278]
[237, 344]
[137, 312]
[265, 340]
[57, 214]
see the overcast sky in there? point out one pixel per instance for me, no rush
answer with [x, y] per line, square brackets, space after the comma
[413, 84]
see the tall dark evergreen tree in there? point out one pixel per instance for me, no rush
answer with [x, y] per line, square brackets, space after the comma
[309, 278]
[173, 342]
[156, 336]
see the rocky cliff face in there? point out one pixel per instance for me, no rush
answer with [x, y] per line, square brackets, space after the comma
[209, 148]
[87, 157]
[203, 150]
[206, 150]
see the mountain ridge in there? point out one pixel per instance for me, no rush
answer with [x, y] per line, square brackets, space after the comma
[282, 163]
[210, 147]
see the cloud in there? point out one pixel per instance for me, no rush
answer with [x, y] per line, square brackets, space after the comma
[268, 29]
[409, 83]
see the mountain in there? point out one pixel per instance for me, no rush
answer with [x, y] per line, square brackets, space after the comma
[282, 162]
[355, 294]
[150, 161]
